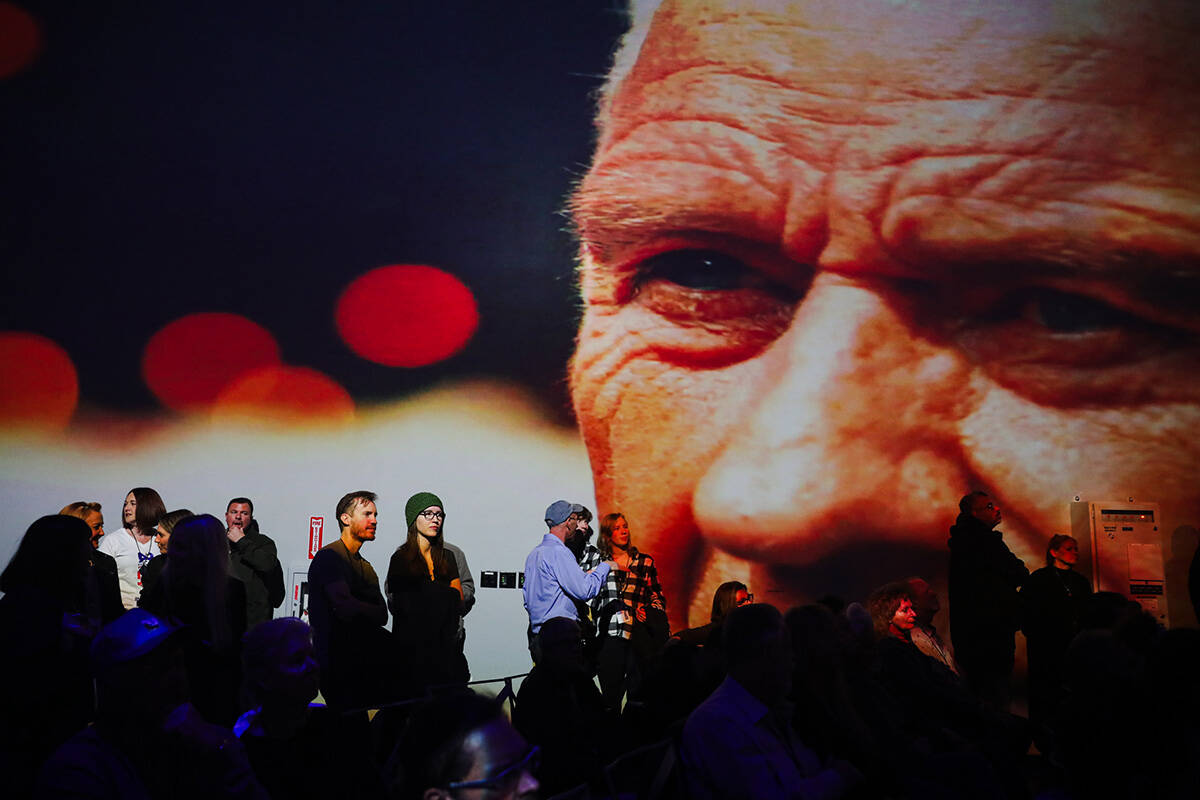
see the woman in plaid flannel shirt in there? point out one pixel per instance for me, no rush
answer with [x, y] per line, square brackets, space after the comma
[631, 598]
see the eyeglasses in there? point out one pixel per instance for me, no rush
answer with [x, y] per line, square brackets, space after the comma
[502, 779]
[427, 514]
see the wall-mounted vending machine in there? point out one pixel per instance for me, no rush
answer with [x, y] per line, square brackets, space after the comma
[1125, 551]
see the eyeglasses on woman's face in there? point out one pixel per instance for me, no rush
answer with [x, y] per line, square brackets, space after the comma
[429, 513]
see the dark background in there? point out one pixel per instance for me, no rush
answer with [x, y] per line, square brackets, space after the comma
[161, 159]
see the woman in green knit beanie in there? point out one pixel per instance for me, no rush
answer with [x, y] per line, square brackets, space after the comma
[425, 597]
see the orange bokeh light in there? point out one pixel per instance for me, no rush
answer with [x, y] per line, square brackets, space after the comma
[189, 361]
[284, 394]
[20, 39]
[39, 387]
[406, 315]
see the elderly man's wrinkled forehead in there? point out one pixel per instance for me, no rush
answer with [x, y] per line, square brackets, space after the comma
[1111, 54]
[1050, 134]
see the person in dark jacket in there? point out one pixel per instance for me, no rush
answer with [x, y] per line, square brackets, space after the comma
[252, 558]
[45, 686]
[148, 742]
[424, 594]
[1193, 582]
[197, 591]
[1052, 604]
[103, 590]
[348, 613]
[984, 605]
[560, 709]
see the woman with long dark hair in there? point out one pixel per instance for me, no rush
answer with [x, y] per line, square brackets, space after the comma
[630, 611]
[132, 546]
[728, 596]
[196, 590]
[45, 685]
[425, 597]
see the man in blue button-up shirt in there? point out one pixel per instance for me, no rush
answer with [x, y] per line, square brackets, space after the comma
[552, 576]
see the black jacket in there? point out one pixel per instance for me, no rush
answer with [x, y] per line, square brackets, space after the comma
[984, 578]
[251, 559]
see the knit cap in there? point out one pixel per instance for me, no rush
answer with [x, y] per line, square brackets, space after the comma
[418, 503]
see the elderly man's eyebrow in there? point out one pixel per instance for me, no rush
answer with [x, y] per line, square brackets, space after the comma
[1159, 287]
[615, 224]
[1151, 275]
[1146, 270]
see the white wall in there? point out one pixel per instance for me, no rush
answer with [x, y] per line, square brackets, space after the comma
[485, 449]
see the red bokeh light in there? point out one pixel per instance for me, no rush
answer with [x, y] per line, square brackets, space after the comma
[284, 394]
[406, 315]
[188, 362]
[38, 383]
[20, 39]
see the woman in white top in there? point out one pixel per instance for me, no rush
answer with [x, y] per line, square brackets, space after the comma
[132, 546]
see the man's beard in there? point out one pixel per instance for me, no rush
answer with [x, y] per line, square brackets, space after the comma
[577, 541]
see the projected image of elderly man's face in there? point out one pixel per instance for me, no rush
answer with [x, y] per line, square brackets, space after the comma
[844, 262]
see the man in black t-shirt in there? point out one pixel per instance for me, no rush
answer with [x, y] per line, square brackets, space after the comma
[348, 612]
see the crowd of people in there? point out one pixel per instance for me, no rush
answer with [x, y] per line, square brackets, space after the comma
[156, 645]
[829, 252]
[162, 678]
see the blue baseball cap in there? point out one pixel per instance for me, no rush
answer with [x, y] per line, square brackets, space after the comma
[557, 512]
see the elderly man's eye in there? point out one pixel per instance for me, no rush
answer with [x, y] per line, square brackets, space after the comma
[702, 270]
[1060, 312]
[715, 306]
[1062, 347]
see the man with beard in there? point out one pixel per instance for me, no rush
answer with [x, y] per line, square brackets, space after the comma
[579, 543]
[553, 579]
[348, 612]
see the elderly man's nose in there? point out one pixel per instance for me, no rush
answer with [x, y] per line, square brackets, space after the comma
[853, 434]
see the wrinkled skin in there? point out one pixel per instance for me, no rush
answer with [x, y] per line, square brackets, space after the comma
[843, 262]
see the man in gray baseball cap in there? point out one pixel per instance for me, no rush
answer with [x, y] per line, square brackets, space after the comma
[552, 576]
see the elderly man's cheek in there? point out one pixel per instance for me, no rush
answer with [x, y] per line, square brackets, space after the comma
[1038, 458]
[651, 429]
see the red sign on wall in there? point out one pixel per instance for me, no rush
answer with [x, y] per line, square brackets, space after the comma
[315, 526]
